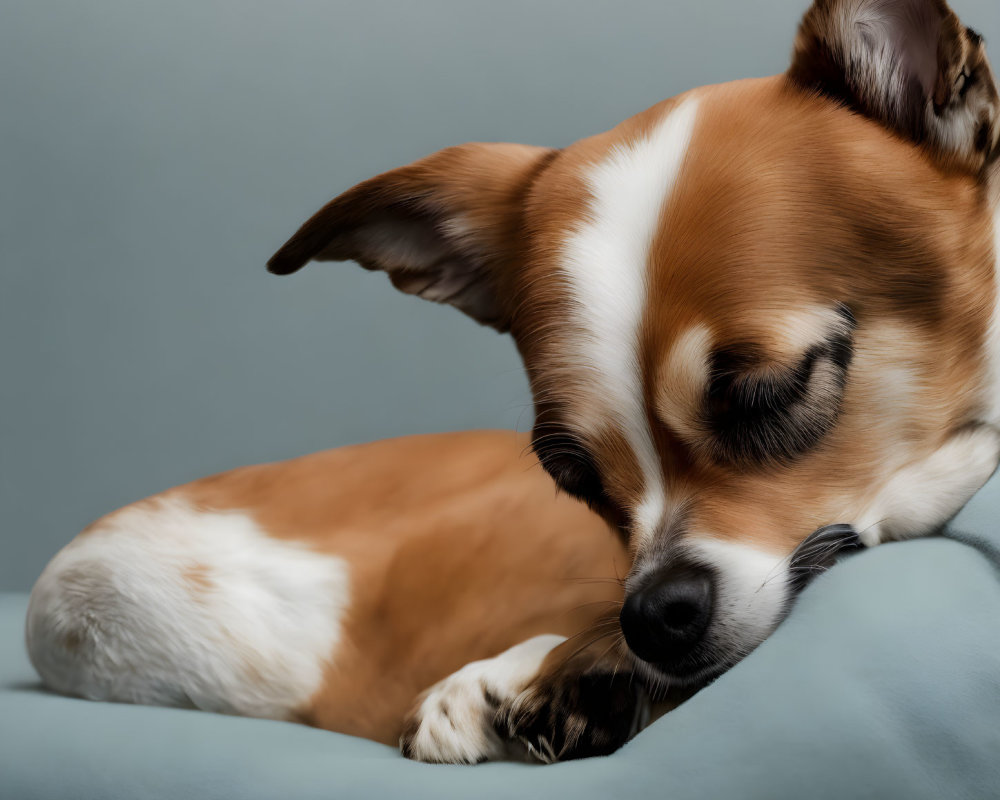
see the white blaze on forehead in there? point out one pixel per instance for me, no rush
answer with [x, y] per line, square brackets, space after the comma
[606, 262]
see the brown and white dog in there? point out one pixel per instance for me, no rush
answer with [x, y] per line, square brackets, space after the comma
[751, 312]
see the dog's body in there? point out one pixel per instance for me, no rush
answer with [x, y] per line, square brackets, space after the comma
[752, 312]
[330, 589]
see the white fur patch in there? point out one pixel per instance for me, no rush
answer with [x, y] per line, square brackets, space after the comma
[750, 593]
[920, 497]
[454, 719]
[605, 262]
[168, 605]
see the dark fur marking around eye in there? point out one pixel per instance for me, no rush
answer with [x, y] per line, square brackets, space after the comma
[760, 416]
[570, 466]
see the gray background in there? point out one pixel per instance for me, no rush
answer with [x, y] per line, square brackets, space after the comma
[153, 155]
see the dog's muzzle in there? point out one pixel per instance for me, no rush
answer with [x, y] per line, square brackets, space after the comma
[667, 615]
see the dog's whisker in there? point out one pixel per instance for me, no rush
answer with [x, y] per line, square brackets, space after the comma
[598, 632]
[612, 581]
[616, 603]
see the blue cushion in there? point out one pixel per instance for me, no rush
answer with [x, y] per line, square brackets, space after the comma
[883, 683]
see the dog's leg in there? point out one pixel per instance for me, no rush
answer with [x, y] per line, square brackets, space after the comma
[583, 702]
[453, 720]
[544, 699]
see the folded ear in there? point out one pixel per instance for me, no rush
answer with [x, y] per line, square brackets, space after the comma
[909, 64]
[447, 228]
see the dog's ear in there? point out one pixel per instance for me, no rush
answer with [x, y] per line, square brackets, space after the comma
[909, 64]
[448, 228]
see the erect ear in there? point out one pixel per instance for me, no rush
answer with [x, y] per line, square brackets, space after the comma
[448, 228]
[909, 64]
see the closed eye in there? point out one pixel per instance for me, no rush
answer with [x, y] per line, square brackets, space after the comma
[759, 414]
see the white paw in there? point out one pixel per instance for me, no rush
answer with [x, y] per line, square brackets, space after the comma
[453, 721]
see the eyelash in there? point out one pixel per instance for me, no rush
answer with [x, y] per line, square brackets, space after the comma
[774, 420]
[571, 468]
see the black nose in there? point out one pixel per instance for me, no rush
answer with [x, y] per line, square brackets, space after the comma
[665, 617]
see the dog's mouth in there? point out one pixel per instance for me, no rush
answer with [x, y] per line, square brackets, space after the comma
[664, 679]
[710, 659]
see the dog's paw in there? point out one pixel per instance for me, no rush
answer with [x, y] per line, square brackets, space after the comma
[453, 721]
[567, 716]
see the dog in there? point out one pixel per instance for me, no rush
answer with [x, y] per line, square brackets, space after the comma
[760, 322]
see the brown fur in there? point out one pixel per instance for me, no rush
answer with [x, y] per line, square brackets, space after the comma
[787, 200]
[799, 192]
[458, 546]
[438, 578]
[199, 579]
[824, 207]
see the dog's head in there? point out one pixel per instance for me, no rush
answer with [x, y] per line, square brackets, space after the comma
[753, 311]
